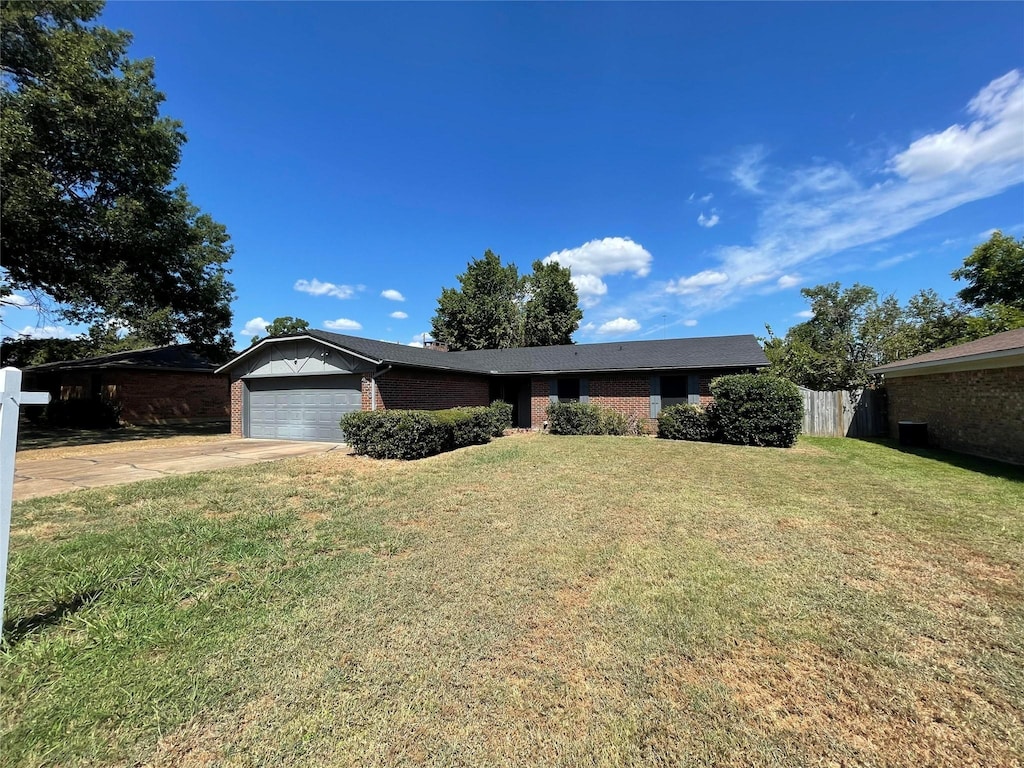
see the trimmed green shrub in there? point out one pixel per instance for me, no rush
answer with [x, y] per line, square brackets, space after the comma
[586, 419]
[397, 434]
[618, 423]
[612, 422]
[469, 426]
[501, 417]
[685, 422]
[417, 434]
[574, 419]
[757, 409]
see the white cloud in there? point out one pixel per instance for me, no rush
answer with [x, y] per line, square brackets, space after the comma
[398, 315]
[702, 199]
[47, 332]
[392, 295]
[708, 221]
[16, 300]
[342, 324]
[619, 325]
[805, 313]
[892, 261]
[316, 288]
[610, 256]
[813, 213]
[694, 283]
[749, 168]
[707, 198]
[255, 327]
[788, 281]
[689, 323]
[994, 137]
[589, 286]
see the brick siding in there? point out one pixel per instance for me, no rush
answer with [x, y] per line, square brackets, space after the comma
[150, 397]
[540, 391]
[977, 412]
[424, 390]
[627, 393]
[630, 395]
[236, 408]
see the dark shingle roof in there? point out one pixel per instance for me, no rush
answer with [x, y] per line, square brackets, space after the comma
[666, 354]
[177, 357]
[1007, 341]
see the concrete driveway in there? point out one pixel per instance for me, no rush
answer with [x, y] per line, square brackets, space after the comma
[46, 476]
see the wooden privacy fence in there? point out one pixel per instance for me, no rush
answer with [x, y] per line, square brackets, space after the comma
[857, 413]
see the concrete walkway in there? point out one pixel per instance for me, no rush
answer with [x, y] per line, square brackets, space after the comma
[43, 477]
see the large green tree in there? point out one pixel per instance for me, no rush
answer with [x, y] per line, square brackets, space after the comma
[484, 312]
[994, 273]
[495, 308]
[551, 314]
[849, 332]
[92, 217]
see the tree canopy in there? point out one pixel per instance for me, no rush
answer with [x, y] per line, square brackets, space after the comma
[495, 308]
[850, 331]
[92, 219]
[551, 314]
[284, 326]
[994, 273]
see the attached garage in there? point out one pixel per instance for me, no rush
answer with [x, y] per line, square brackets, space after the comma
[301, 408]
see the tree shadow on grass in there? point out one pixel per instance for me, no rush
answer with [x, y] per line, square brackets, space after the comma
[32, 436]
[990, 467]
[15, 630]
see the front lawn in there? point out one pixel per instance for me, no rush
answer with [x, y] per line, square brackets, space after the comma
[536, 601]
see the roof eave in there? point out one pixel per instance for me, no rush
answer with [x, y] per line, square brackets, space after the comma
[1004, 357]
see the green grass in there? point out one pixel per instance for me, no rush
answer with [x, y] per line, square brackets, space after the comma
[536, 601]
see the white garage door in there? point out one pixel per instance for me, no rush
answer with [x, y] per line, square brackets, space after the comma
[301, 408]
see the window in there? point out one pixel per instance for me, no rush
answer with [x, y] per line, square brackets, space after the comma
[674, 390]
[568, 390]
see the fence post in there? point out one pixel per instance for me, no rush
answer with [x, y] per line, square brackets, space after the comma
[11, 400]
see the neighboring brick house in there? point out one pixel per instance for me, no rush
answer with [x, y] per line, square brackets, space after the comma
[970, 395]
[297, 387]
[159, 385]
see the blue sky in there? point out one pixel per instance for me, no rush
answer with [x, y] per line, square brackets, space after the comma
[695, 165]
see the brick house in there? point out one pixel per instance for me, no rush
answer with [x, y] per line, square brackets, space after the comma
[296, 387]
[159, 385]
[970, 395]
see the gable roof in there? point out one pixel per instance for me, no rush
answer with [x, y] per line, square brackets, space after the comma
[980, 352]
[176, 357]
[666, 354]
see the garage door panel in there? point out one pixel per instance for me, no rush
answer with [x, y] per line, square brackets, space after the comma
[301, 408]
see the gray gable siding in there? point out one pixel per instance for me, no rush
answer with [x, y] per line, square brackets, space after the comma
[300, 357]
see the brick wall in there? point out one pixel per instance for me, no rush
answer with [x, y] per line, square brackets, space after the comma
[425, 390]
[630, 395]
[976, 412]
[150, 397]
[236, 407]
[540, 391]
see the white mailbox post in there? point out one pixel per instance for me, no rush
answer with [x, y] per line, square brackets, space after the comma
[12, 400]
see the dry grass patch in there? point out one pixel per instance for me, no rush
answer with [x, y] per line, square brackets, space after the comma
[536, 601]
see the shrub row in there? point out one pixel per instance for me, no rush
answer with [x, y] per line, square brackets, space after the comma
[416, 434]
[749, 409]
[586, 419]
